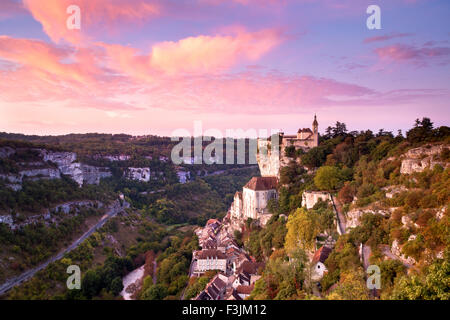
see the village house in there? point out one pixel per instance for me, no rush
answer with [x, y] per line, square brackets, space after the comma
[208, 260]
[318, 263]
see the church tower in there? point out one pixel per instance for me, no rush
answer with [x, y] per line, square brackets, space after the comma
[315, 127]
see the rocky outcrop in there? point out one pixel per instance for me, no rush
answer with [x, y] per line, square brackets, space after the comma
[417, 159]
[6, 152]
[183, 176]
[310, 198]
[393, 190]
[49, 215]
[396, 249]
[120, 157]
[140, 174]
[79, 172]
[53, 164]
[14, 181]
[7, 219]
[354, 216]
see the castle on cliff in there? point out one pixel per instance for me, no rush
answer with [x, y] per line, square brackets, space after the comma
[253, 200]
[271, 159]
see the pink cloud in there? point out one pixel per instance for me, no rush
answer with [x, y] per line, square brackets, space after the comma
[206, 54]
[387, 37]
[419, 56]
[52, 14]
[195, 77]
[10, 8]
[193, 55]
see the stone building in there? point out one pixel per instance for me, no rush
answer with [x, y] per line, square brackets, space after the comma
[310, 198]
[210, 259]
[256, 194]
[271, 159]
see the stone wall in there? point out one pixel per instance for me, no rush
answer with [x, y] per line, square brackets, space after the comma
[310, 198]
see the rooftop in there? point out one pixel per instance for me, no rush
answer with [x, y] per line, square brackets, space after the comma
[322, 254]
[262, 183]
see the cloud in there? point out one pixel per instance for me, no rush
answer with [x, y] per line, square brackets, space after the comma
[96, 15]
[387, 37]
[193, 55]
[420, 56]
[194, 74]
[9, 8]
[206, 54]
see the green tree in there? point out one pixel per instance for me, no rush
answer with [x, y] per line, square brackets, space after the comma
[155, 292]
[328, 178]
[302, 230]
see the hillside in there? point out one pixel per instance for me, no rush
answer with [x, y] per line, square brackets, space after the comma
[53, 189]
[393, 195]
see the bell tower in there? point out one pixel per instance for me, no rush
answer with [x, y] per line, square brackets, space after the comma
[315, 127]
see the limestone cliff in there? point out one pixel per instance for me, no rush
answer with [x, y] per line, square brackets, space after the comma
[52, 166]
[417, 159]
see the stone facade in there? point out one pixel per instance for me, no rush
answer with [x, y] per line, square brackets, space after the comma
[252, 202]
[310, 198]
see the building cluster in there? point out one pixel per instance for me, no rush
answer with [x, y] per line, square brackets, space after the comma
[237, 271]
[252, 202]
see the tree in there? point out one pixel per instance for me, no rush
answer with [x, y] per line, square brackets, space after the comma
[328, 178]
[433, 285]
[302, 230]
[155, 292]
[351, 287]
[346, 194]
[116, 286]
[422, 131]
[91, 284]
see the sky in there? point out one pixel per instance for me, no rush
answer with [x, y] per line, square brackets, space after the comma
[155, 66]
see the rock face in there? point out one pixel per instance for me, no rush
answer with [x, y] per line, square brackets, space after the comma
[417, 159]
[310, 198]
[6, 152]
[7, 219]
[120, 157]
[393, 190]
[46, 169]
[354, 216]
[183, 176]
[140, 174]
[397, 250]
[15, 180]
[79, 172]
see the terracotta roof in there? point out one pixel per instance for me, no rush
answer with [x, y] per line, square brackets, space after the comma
[251, 267]
[219, 284]
[210, 221]
[304, 130]
[321, 254]
[211, 253]
[262, 183]
[244, 289]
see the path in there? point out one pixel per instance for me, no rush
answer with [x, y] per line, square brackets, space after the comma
[10, 283]
[340, 217]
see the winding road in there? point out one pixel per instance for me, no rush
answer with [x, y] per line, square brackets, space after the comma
[112, 211]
